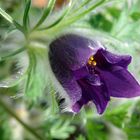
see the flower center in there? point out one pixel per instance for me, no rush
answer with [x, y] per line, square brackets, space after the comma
[92, 62]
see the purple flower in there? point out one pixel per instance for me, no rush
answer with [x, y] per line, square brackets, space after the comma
[88, 72]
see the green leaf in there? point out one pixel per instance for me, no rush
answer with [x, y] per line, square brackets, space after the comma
[135, 16]
[125, 32]
[80, 137]
[18, 76]
[10, 19]
[60, 19]
[57, 126]
[132, 126]
[6, 16]
[100, 22]
[26, 14]
[114, 12]
[13, 80]
[121, 23]
[2, 58]
[36, 81]
[74, 18]
[118, 115]
[61, 130]
[5, 128]
[96, 130]
[46, 13]
[81, 6]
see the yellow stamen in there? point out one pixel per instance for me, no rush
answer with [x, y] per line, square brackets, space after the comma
[94, 63]
[91, 58]
[91, 61]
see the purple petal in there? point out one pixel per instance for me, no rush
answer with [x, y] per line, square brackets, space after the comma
[73, 51]
[120, 82]
[97, 94]
[94, 79]
[66, 79]
[73, 90]
[81, 73]
[106, 59]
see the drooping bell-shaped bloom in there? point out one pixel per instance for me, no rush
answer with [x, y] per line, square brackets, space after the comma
[88, 72]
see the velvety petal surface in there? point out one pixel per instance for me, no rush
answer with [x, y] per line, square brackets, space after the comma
[120, 82]
[73, 50]
[81, 73]
[105, 59]
[73, 90]
[97, 94]
[65, 77]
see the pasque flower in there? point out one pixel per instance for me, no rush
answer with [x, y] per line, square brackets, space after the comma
[88, 72]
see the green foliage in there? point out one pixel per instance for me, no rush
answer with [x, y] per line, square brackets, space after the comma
[26, 13]
[5, 129]
[57, 127]
[135, 16]
[132, 125]
[46, 13]
[118, 115]
[37, 76]
[80, 137]
[105, 23]
[100, 22]
[117, 24]
[96, 130]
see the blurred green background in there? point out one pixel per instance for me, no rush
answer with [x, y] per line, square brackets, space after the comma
[29, 111]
